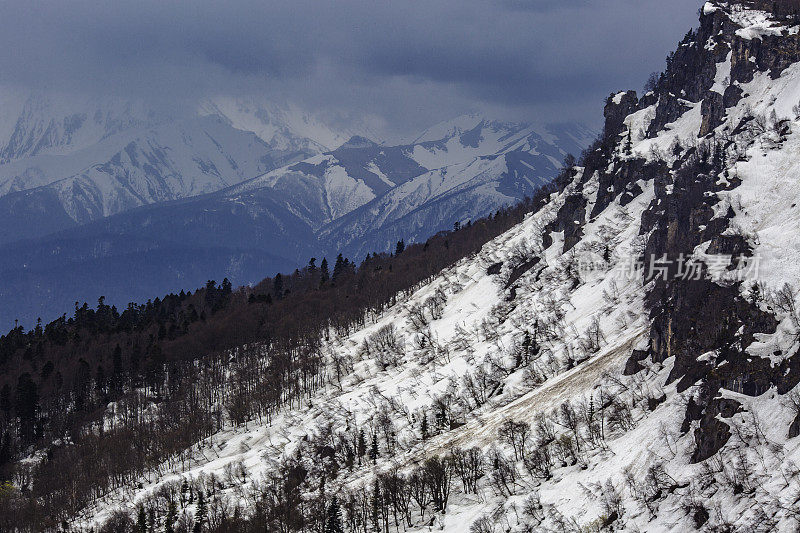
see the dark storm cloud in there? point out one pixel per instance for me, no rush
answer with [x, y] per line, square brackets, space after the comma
[408, 61]
[543, 6]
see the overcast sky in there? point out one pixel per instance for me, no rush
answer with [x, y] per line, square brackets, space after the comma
[408, 62]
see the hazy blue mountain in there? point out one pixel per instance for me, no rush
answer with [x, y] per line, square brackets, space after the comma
[140, 225]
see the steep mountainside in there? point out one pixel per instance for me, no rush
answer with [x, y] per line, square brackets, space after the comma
[627, 358]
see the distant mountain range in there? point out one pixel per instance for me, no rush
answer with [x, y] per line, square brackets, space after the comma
[110, 198]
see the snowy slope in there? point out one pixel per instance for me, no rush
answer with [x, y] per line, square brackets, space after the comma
[632, 426]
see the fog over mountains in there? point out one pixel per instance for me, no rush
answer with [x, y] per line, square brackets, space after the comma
[110, 197]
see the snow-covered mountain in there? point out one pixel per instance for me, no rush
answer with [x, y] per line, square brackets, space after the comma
[364, 186]
[625, 359]
[470, 173]
[193, 174]
[80, 159]
[179, 159]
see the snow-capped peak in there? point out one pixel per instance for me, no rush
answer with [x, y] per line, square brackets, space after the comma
[357, 141]
[449, 128]
[283, 126]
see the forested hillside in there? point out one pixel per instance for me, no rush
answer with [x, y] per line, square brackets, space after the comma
[59, 380]
[621, 353]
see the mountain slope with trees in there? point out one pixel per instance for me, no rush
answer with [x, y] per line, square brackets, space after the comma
[619, 354]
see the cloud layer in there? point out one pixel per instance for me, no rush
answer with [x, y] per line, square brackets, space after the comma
[407, 61]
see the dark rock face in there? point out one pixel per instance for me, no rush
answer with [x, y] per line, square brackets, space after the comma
[709, 437]
[570, 219]
[713, 111]
[494, 269]
[632, 366]
[787, 374]
[742, 69]
[520, 270]
[621, 180]
[616, 113]
[732, 96]
[776, 53]
[710, 434]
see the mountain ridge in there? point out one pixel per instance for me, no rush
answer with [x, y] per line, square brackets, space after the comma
[331, 195]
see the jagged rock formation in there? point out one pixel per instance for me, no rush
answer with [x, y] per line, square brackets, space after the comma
[682, 216]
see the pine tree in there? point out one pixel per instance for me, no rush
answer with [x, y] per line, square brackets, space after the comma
[184, 492]
[200, 515]
[401, 246]
[526, 348]
[277, 286]
[424, 429]
[338, 267]
[333, 520]
[362, 445]
[141, 521]
[227, 287]
[755, 294]
[376, 508]
[325, 275]
[373, 451]
[629, 143]
[172, 516]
